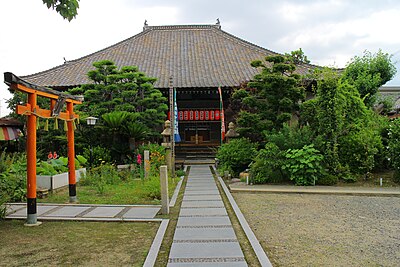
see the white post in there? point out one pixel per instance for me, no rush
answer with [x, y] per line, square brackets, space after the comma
[146, 164]
[164, 190]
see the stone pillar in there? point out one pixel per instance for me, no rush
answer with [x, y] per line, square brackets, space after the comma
[164, 190]
[166, 134]
[231, 132]
[146, 164]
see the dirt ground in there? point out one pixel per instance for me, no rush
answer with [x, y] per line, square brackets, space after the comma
[325, 230]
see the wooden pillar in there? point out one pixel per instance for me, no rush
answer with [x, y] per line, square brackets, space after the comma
[71, 154]
[31, 163]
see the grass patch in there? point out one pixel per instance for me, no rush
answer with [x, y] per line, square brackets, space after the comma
[127, 192]
[76, 243]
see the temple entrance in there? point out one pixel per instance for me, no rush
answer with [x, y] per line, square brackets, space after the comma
[197, 133]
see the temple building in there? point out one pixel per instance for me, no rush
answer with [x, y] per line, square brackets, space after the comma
[200, 58]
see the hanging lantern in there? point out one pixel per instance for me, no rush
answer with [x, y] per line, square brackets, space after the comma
[207, 115]
[217, 115]
[191, 115]
[212, 115]
[186, 115]
[180, 115]
[202, 115]
[196, 115]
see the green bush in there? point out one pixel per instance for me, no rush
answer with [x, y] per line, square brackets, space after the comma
[236, 155]
[267, 167]
[100, 155]
[12, 177]
[303, 165]
[394, 147]
[292, 137]
[358, 149]
[327, 179]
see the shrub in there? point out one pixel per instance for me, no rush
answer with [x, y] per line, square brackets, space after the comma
[267, 166]
[303, 165]
[327, 179]
[292, 137]
[236, 155]
[100, 155]
[12, 177]
[394, 147]
[358, 149]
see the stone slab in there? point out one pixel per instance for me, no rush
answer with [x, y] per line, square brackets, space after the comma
[68, 211]
[23, 211]
[12, 208]
[205, 250]
[197, 204]
[209, 264]
[205, 192]
[203, 221]
[147, 212]
[203, 212]
[204, 233]
[201, 188]
[104, 212]
[201, 197]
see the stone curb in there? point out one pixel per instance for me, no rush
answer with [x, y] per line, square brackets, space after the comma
[316, 191]
[255, 244]
[155, 246]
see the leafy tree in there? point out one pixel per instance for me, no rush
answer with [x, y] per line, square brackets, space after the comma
[297, 57]
[68, 9]
[348, 128]
[368, 73]
[125, 90]
[275, 96]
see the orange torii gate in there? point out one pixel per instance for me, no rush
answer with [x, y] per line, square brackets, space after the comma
[32, 110]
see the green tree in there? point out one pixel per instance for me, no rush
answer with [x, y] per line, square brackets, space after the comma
[125, 90]
[68, 9]
[275, 97]
[297, 57]
[368, 73]
[349, 129]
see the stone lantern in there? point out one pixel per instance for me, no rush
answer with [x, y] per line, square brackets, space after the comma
[231, 132]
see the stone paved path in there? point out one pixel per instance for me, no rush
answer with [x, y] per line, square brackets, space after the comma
[85, 212]
[204, 235]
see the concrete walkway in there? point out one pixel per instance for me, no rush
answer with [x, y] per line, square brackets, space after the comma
[86, 212]
[204, 235]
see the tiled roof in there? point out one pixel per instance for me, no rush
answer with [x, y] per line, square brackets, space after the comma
[195, 55]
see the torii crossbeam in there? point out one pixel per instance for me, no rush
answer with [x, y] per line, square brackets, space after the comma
[32, 110]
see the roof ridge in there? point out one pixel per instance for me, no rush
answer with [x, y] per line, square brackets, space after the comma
[183, 26]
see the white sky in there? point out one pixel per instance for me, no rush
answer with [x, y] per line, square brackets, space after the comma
[330, 32]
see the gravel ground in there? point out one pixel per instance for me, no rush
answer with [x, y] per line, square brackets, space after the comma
[325, 230]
